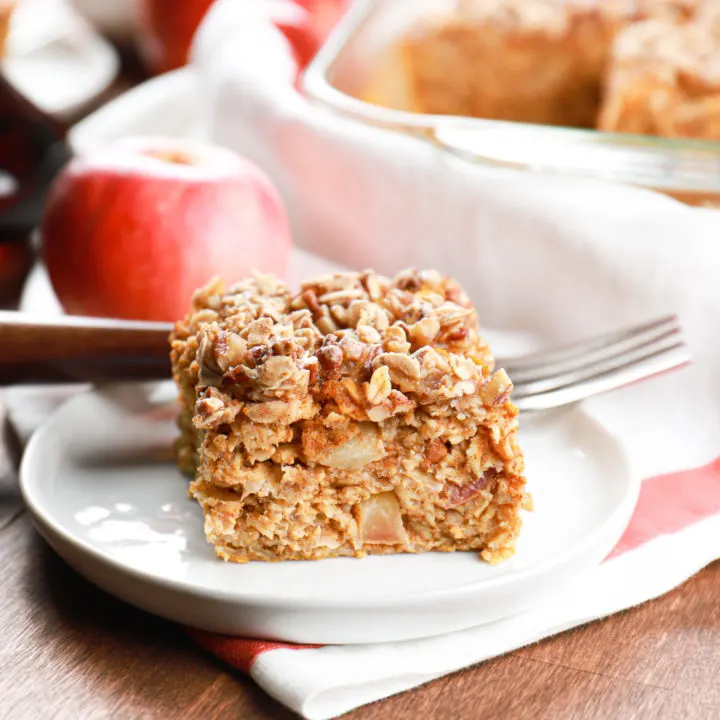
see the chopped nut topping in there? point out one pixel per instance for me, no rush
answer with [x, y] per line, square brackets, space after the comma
[331, 360]
[359, 415]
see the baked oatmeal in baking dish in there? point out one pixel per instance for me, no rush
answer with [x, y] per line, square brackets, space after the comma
[664, 79]
[361, 415]
[536, 61]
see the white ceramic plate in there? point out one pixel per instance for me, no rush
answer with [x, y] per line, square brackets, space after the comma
[101, 489]
[56, 59]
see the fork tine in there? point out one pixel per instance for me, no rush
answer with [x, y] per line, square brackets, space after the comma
[583, 347]
[550, 364]
[662, 361]
[602, 365]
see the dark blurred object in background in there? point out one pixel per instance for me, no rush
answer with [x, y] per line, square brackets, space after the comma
[6, 11]
[32, 151]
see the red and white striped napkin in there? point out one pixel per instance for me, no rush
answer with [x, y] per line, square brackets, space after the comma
[561, 258]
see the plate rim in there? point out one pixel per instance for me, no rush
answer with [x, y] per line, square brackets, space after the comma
[621, 512]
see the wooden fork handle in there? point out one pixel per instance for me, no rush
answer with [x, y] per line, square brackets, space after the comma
[58, 349]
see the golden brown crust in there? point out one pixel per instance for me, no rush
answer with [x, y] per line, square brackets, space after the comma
[361, 415]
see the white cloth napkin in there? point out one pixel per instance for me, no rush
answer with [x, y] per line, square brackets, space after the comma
[561, 257]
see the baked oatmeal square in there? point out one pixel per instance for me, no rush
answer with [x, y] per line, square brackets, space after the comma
[361, 415]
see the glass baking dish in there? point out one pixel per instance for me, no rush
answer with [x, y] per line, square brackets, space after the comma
[356, 57]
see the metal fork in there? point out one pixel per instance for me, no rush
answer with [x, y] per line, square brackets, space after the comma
[596, 365]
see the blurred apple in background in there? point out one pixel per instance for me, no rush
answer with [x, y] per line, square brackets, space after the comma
[132, 230]
[324, 14]
[166, 28]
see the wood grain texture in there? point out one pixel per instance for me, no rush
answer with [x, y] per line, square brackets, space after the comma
[68, 650]
[71, 651]
[28, 337]
[78, 349]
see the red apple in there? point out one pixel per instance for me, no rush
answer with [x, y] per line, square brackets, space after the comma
[132, 230]
[166, 29]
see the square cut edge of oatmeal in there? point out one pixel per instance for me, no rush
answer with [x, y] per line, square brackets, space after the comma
[360, 415]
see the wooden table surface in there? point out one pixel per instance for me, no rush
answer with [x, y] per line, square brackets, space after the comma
[68, 651]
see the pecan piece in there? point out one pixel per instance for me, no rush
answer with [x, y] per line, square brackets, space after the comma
[460, 494]
[330, 357]
[436, 451]
[311, 301]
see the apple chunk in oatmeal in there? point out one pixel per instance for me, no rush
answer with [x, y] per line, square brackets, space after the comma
[360, 415]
